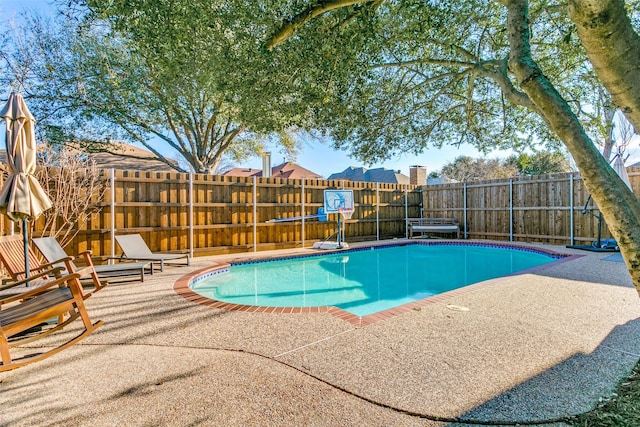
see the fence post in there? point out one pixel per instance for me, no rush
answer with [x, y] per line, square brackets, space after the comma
[303, 213]
[464, 209]
[511, 210]
[377, 211]
[112, 179]
[191, 215]
[406, 212]
[571, 232]
[255, 212]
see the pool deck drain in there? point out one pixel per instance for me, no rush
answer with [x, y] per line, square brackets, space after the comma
[533, 347]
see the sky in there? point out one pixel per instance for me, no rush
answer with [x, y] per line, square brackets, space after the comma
[317, 156]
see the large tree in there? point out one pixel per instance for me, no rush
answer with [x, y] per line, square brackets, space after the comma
[462, 58]
[191, 76]
[539, 163]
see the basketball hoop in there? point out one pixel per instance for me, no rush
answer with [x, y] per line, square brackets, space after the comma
[346, 213]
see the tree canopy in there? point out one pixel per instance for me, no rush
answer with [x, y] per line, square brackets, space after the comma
[539, 163]
[465, 168]
[412, 74]
[192, 76]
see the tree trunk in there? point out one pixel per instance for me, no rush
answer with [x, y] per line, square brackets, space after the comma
[617, 203]
[613, 47]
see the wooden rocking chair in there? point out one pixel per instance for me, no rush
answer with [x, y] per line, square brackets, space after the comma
[12, 258]
[60, 297]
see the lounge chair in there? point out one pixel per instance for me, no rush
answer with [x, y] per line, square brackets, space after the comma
[51, 250]
[28, 310]
[134, 248]
[12, 257]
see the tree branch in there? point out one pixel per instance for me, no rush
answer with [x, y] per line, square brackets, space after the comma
[291, 25]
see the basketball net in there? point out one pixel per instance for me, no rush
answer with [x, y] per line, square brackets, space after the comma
[346, 213]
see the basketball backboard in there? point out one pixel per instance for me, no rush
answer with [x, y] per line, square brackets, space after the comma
[334, 200]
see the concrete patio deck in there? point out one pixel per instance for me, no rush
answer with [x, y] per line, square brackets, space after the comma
[533, 347]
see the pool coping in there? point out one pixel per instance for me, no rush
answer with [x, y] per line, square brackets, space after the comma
[182, 286]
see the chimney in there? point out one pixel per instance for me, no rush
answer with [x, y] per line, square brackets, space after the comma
[266, 164]
[417, 175]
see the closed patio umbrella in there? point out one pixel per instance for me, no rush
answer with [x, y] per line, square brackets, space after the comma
[21, 198]
[618, 166]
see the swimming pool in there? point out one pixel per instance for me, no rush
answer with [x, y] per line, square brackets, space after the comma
[366, 281]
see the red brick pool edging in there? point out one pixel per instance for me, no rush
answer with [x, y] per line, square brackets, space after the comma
[182, 288]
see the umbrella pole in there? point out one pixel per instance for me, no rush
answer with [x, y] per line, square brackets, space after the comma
[25, 234]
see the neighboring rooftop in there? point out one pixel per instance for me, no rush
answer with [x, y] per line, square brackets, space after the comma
[288, 170]
[143, 160]
[371, 175]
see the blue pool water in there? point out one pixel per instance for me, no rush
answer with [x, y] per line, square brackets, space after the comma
[363, 282]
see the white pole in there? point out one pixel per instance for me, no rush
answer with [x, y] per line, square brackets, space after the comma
[464, 208]
[406, 212]
[303, 213]
[191, 215]
[255, 212]
[340, 230]
[572, 237]
[113, 212]
[377, 211]
[511, 210]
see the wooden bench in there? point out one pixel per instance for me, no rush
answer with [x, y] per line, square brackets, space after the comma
[433, 225]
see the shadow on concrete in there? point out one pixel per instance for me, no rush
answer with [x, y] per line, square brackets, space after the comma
[571, 387]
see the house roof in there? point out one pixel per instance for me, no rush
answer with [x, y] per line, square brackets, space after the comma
[142, 162]
[288, 170]
[371, 175]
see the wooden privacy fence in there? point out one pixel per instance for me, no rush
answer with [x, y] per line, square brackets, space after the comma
[545, 208]
[209, 214]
